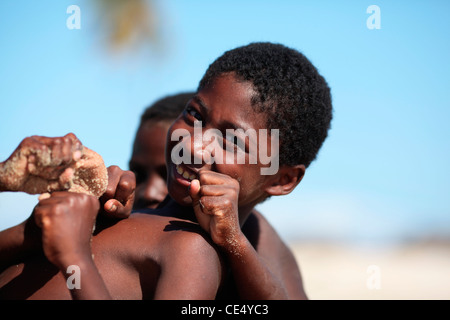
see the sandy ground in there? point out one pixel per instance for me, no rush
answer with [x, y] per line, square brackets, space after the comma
[419, 271]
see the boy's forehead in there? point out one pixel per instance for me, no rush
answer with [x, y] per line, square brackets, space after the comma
[229, 100]
[150, 138]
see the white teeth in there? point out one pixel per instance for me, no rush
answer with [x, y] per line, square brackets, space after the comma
[185, 174]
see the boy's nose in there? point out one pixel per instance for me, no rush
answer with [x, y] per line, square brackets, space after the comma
[204, 151]
[200, 151]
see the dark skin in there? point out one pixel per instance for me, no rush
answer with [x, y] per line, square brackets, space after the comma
[148, 163]
[116, 202]
[142, 257]
[24, 239]
[224, 195]
[221, 197]
[258, 241]
[135, 258]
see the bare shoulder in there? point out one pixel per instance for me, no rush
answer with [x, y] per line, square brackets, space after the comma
[173, 256]
[159, 233]
[184, 235]
[263, 235]
[186, 242]
[270, 243]
[156, 235]
[170, 239]
[190, 265]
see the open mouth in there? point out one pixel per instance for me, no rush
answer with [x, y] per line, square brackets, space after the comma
[185, 173]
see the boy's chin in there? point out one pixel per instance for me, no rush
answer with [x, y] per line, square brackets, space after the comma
[186, 201]
[180, 196]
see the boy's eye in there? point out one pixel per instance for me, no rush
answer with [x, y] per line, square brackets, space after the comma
[140, 173]
[235, 142]
[191, 112]
[233, 139]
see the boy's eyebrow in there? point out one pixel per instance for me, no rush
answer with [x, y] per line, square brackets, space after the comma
[224, 123]
[201, 103]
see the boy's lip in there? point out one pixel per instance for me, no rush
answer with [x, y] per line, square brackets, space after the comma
[185, 173]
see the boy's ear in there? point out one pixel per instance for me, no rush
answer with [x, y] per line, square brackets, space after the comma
[285, 180]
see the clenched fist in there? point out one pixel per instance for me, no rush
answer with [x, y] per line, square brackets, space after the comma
[67, 220]
[215, 202]
[43, 164]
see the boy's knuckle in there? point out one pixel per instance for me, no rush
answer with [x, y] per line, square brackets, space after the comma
[227, 202]
[110, 191]
[124, 184]
[71, 136]
[58, 211]
[26, 141]
[94, 202]
[113, 169]
[130, 176]
[202, 177]
[206, 204]
[58, 140]
[232, 192]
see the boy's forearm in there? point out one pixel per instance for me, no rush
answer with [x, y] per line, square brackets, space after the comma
[84, 281]
[253, 278]
[18, 241]
[11, 245]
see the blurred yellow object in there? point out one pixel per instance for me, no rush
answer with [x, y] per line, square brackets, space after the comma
[128, 23]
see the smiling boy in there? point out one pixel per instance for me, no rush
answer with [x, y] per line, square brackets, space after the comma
[148, 164]
[259, 86]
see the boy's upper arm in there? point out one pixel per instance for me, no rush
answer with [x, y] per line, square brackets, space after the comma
[279, 258]
[190, 268]
[18, 241]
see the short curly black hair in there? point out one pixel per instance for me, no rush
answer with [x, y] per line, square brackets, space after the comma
[289, 89]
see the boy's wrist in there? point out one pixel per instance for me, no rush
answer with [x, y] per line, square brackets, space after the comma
[86, 282]
[81, 260]
[236, 245]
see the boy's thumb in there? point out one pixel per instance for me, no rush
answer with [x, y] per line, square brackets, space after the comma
[194, 192]
[203, 218]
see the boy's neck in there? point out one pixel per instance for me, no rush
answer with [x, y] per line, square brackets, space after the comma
[244, 213]
[171, 208]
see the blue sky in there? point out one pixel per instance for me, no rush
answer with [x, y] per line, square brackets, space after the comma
[381, 175]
